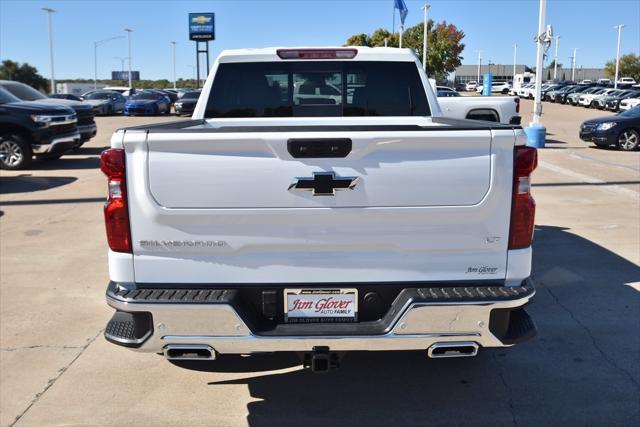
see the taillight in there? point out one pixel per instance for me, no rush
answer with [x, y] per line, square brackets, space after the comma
[523, 207]
[517, 100]
[317, 53]
[116, 212]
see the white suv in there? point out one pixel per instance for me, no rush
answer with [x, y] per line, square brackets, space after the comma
[496, 87]
[471, 86]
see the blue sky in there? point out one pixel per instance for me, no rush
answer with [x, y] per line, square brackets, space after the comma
[492, 26]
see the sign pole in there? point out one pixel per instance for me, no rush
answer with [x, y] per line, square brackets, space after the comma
[197, 65]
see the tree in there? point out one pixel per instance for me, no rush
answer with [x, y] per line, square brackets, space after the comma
[25, 73]
[359, 40]
[629, 67]
[444, 44]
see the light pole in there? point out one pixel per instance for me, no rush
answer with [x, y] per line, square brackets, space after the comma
[479, 63]
[619, 27]
[129, 31]
[174, 64]
[515, 52]
[540, 41]
[53, 79]
[573, 64]
[95, 58]
[555, 59]
[425, 8]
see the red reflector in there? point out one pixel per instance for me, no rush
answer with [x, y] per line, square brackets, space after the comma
[317, 53]
[116, 212]
[116, 218]
[112, 163]
[523, 207]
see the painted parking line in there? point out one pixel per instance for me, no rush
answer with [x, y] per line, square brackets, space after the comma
[589, 180]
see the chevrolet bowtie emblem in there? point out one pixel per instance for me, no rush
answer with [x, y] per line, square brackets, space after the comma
[324, 183]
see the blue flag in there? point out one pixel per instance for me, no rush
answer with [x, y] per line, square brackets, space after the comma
[402, 8]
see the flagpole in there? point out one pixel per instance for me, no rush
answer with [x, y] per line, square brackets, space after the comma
[393, 28]
[401, 30]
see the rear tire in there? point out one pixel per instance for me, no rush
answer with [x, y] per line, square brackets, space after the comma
[628, 140]
[15, 152]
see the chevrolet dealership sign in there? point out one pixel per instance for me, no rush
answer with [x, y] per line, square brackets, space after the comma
[202, 26]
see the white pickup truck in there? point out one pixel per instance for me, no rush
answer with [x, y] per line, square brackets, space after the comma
[314, 222]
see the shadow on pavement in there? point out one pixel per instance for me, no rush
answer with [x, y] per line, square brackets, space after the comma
[86, 151]
[67, 162]
[581, 369]
[27, 183]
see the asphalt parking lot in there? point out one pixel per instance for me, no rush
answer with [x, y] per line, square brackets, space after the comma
[581, 369]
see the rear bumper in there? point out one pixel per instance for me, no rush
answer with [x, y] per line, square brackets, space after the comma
[150, 320]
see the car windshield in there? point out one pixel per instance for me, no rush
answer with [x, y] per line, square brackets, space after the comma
[191, 95]
[145, 95]
[22, 91]
[6, 97]
[317, 89]
[100, 95]
[632, 112]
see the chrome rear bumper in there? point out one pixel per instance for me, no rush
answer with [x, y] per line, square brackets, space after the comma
[416, 326]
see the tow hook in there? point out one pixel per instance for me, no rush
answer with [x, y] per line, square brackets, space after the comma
[321, 360]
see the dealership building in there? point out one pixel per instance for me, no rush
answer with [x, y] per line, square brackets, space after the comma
[504, 72]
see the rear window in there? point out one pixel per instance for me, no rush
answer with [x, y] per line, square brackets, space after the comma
[317, 89]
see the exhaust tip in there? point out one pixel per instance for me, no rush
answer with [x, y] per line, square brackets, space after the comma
[452, 349]
[189, 352]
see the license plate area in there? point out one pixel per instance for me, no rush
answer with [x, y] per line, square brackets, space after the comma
[320, 305]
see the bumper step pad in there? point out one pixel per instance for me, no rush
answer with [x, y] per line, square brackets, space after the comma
[129, 329]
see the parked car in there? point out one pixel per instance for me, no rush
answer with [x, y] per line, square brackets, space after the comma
[621, 130]
[604, 82]
[443, 91]
[125, 91]
[561, 95]
[147, 103]
[31, 129]
[471, 86]
[585, 82]
[600, 102]
[173, 96]
[627, 81]
[187, 103]
[84, 112]
[496, 87]
[241, 231]
[572, 98]
[65, 96]
[526, 90]
[587, 99]
[106, 102]
[629, 103]
[613, 102]
[546, 88]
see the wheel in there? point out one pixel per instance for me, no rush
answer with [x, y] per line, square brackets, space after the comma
[15, 152]
[505, 91]
[628, 140]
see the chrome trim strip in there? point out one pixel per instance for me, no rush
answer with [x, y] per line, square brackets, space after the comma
[46, 148]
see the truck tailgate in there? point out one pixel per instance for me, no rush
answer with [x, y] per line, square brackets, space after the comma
[216, 207]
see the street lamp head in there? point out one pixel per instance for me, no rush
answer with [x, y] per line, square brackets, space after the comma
[48, 9]
[128, 30]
